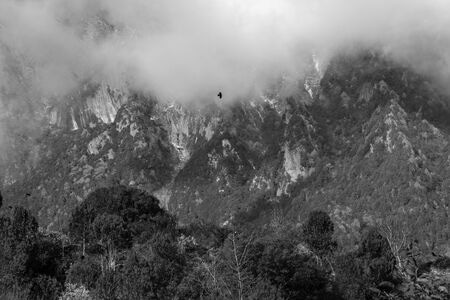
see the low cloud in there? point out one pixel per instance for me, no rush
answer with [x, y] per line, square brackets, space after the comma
[190, 50]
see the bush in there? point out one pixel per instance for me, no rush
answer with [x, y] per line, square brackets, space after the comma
[372, 264]
[349, 277]
[194, 284]
[47, 259]
[30, 262]
[264, 290]
[75, 292]
[45, 287]
[376, 256]
[296, 276]
[84, 272]
[108, 286]
[318, 232]
[153, 270]
[18, 235]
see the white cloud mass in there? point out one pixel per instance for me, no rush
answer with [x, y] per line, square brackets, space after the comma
[189, 49]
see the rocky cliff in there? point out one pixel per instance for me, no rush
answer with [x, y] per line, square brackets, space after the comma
[365, 139]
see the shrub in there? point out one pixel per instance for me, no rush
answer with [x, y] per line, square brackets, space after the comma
[108, 286]
[153, 270]
[45, 287]
[47, 258]
[75, 292]
[296, 276]
[349, 278]
[372, 264]
[318, 232]
[84, 272]
[18, 235]
[376, 256]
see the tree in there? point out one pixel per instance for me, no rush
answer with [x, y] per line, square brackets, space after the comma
[108, 286]
[18, 233]
[297, 276]
[29, 260]
[236, 258]
[118, 215]
[153, 270]
[44, 287]
[48, 264]
[371, 265]
[377, 257]
[318, 231]
[111, 233]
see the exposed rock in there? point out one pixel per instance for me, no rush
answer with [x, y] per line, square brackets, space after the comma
[366, 141]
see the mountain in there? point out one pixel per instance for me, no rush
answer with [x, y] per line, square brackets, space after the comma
[364, 139]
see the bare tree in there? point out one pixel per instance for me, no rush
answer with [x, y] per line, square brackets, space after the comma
[397, 242]
[238, 261]
[217, 282]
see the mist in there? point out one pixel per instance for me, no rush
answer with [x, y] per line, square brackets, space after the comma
[189, 50]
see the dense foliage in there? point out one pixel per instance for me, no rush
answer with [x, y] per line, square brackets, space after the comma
[31, 262]
[122, 245]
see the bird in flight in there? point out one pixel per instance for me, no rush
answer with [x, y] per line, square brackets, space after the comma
[219, 95]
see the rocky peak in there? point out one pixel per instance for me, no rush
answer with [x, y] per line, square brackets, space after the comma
[188, 128]
[361, 150]
[90, 105]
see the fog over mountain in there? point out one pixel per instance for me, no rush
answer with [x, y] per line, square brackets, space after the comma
[188, 50]
[225, 149]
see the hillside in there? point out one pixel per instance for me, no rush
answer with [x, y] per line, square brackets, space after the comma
[369, 147]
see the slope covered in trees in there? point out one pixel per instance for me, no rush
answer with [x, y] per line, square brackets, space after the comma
[121, 245]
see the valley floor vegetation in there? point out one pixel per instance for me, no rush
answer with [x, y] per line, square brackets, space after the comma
[120, 244]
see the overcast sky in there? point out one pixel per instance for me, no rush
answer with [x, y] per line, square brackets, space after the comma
[190, 49]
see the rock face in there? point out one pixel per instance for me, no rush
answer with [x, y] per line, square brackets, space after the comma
[366, 141]
[87, 106]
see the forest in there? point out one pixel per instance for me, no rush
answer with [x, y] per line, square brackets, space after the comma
[120, 244]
